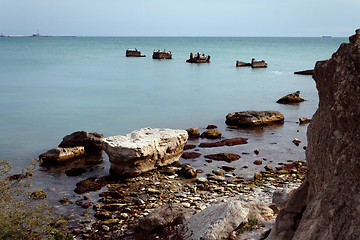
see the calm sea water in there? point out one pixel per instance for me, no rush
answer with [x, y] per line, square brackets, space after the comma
[51, 87]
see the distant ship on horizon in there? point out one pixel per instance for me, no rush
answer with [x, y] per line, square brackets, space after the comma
[326, 36]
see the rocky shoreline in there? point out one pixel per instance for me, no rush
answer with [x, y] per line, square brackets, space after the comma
[120, 211]
[126, 202]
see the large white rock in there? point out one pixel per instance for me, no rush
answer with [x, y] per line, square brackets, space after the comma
[143, 150]
[216, 222]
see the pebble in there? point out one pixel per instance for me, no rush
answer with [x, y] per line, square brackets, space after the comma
[186, 204]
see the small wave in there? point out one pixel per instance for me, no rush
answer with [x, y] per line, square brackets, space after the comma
[278, 72]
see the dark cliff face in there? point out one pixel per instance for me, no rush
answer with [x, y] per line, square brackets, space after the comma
[332, 189]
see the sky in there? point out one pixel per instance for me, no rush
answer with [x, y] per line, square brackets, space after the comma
[210, 18]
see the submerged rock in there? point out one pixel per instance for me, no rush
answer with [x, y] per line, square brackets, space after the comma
[227, 142]
[75, 171]
[190, 155]
[144, 150]
[211, 134]
[227, 157]
[254, 118]
[38, 194]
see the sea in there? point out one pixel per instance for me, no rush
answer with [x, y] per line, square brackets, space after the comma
[53, 86]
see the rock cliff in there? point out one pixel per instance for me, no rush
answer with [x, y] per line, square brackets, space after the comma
[327, 205]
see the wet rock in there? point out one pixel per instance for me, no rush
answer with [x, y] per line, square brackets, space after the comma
[268, 168]
[91, 141]
[144, 150]
[227, 142]
[193, 132]
[211, 127]
[59, 155]
[228, 168]
[257, 162]
[65, 201]
[254, 118]
[304, 120]
[187, 171]
[89, 185]
[38, 194]
[235, 141]
[79, 202]
[211, 144]
[228, 157]
[291, 98]
[257, 151]
[189, 146]
[190, 155]
[211, 134]
[75, 171]
[219, 172]
[296, 141]
[19, 176]
[87, 205]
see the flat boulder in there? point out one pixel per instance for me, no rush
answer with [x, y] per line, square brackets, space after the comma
[291, 98]
[216, 221]
[254, 118]
[60, 155]
[91, 141]
[227, 157]
[144, 150]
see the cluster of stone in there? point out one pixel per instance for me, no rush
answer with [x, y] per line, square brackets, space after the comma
[73, 146]
[128, 203]
[254, 118]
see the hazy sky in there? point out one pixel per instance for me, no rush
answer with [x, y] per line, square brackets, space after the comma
[180, 18]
